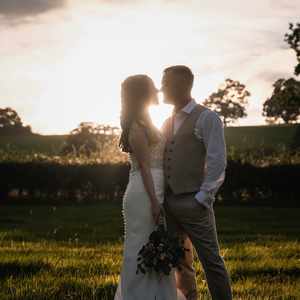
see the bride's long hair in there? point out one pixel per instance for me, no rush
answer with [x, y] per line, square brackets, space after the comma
[137, 93]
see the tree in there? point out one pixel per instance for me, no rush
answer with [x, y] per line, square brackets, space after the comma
[11, 124]
[284, 103]
[293, 39]
[90, 138]
[229, 101]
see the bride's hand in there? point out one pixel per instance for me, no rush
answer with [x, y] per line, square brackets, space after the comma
[156, 211]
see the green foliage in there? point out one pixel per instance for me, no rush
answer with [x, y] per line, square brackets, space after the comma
[89, 138]
[50, 181]
[293, 39]
[229, 101]
[44, 177]
[284, 104]
[46, 182]
[50, 148]
[75, 252]
[262, 157]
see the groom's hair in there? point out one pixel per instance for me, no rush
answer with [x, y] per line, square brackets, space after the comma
[183, 71]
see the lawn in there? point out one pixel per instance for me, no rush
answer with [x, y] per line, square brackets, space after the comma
[75, 252]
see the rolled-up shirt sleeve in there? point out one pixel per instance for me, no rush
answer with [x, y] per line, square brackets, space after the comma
[210, 128]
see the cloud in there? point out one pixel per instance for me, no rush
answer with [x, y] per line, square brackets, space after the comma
[285, 5]
[16, 9]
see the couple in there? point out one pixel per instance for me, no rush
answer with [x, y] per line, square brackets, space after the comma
[176, 171]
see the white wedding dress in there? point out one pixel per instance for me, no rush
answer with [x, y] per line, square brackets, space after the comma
[138, 224]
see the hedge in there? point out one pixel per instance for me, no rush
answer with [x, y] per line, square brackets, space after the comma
[50, 182]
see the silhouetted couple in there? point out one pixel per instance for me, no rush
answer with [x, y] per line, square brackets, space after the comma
[175, 172]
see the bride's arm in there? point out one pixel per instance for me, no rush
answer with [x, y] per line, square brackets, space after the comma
[140, 148]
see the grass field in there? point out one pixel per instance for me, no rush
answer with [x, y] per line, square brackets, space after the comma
[264, 136]
[74, 252]
[47, 144]
[242, 137]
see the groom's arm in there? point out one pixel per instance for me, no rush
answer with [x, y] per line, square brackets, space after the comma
[210, 128]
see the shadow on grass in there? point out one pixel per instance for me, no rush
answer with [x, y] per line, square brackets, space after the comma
[277, 273]
[11, 221]
[20, 269]
[75, 290]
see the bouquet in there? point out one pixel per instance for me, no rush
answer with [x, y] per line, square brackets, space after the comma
[161, 253]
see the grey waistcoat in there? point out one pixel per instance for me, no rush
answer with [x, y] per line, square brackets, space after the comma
[184, 156]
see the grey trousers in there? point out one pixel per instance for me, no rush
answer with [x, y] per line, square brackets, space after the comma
[196, 224]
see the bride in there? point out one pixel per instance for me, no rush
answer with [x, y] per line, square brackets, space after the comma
[144, 194]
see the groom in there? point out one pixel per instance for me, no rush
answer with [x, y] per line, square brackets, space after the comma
[194, 168]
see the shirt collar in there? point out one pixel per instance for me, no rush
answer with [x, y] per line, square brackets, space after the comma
[188, 108]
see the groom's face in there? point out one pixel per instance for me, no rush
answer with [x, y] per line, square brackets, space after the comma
[169, 87]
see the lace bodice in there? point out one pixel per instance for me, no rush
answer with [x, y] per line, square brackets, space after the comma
[156, 155]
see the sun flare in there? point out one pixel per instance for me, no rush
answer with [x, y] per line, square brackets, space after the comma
[88, 85]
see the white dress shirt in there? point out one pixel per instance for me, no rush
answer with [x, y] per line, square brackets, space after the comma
[209, 128]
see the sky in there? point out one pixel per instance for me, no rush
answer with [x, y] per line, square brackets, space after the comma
[62, 61]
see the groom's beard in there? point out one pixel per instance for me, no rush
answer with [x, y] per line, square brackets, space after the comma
[167, 101]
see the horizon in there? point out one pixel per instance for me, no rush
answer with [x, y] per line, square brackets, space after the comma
[229, 126]
[63, 61]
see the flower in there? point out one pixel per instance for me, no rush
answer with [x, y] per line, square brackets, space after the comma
[161, 253]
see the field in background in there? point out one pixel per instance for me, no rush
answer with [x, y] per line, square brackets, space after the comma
[264, 136]
[242, 137]
[46, 144]
[74, 252]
